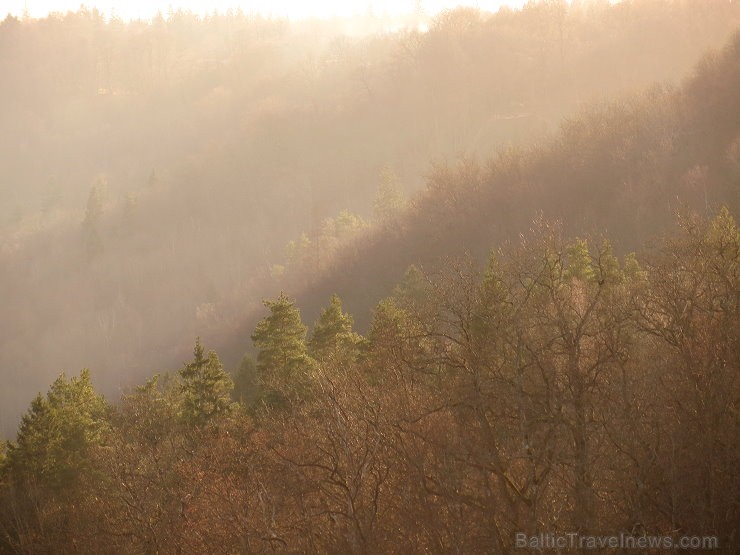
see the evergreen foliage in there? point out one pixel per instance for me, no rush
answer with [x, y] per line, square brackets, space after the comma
[206, 387]
[283, 363]
[57, 434]
[332, 334]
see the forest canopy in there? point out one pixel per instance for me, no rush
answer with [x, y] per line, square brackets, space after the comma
[558, 387]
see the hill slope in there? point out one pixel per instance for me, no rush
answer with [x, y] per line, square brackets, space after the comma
[257, 130]
[623, 169]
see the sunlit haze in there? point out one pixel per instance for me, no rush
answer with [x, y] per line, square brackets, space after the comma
[368, 277]
[295, 9]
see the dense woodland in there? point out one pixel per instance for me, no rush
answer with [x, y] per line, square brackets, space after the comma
[435, 281]
[233, 156]
[557, 388]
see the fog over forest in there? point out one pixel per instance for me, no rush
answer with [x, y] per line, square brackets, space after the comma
[446, 263]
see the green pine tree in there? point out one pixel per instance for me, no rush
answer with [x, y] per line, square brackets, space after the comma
[205, 386]
[282, 362]
[245, 381]
[57, 434]
[394, 336]
[579, 260]
[332, 334]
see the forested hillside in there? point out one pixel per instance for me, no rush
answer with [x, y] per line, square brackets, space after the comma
[159, 179]
[623, 169]
[557, 388]
[423, 285]
[543, 341]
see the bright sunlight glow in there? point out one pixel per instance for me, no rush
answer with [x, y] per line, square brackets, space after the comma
[294, 9]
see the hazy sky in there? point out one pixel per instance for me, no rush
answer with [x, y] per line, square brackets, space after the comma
[145, 9]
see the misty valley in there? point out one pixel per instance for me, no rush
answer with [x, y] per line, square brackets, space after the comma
[435, 281]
